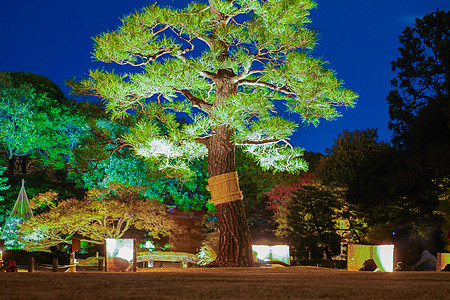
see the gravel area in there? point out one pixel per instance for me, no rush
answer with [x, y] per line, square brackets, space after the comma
[226, 283]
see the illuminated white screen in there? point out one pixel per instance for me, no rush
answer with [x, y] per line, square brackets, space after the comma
[119, 254]
[385, 257]
[272, 253]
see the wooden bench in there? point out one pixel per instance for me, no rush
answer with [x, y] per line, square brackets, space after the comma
[151, 258]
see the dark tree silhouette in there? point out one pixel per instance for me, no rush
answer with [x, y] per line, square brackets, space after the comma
[422, 71]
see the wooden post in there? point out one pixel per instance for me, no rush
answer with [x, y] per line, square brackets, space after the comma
[31, 264]
[134, 255]
[100, 264]
[184, 264]
[55, 264]
[2, 244]
[76, 245]
[438, 262]
[106, 257]
[73, 266]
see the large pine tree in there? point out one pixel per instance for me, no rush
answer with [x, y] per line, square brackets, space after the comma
[231, 67]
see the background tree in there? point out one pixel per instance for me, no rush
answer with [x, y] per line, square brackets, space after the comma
[419, 109]
[279, 199]
[394, 194]
[34, 125]
[349, 150]
[41, 85]
[365, 167]
[255, 183]
[104, 213]
[256, 53]
[311, 221]
[422, 71]
[41, 127]
[307, 215]
[14, 130]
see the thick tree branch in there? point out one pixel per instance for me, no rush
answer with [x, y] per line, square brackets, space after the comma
[256, 82]
[196, 102]
[118, 143]
[187, 49]
[209, 75]
[119, 224]
[146, 58]
[203, 140]
[245, 74]
[248, 142]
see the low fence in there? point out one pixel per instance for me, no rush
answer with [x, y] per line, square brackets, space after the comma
[323, 263]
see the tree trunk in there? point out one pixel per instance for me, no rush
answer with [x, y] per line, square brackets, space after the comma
[24, 164]
[234, 235]
[11, 165]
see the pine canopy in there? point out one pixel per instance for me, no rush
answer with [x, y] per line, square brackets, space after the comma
[182, 58]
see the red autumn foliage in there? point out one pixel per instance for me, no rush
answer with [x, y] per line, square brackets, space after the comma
[281, 194]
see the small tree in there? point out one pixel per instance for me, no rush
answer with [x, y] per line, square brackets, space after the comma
[312, 220]
[255, 55]
[105, 213]
[279, 199]
[307, 214]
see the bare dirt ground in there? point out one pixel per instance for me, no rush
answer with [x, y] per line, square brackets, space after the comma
[227, 283]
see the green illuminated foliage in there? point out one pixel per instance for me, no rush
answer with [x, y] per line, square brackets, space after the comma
[10, 233]
[102, 160]
[104, 213]
[32, 124]
[3, 180]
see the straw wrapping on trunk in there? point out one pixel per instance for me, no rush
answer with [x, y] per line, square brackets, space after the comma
[224, 188]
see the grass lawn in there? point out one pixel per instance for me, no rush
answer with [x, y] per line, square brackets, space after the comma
[227, 283]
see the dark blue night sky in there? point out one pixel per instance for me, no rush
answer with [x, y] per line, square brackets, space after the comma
[359, 38]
